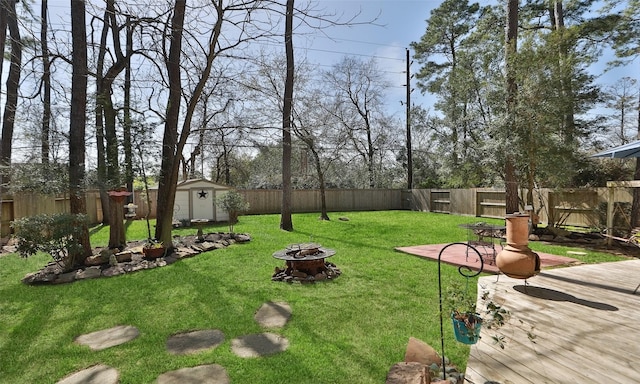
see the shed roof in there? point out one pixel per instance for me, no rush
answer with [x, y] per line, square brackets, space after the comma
[200, 183]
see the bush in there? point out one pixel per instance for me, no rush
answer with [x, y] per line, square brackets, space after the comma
[56, 234]
[234, 204]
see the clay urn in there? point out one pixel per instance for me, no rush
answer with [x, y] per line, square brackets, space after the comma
[516, 259]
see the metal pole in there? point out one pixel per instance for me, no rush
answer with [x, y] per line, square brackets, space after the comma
[409, 155]
[460, 270]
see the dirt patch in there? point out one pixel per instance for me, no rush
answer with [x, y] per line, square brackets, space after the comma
[590, 241]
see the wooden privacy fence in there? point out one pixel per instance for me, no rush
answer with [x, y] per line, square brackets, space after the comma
[264, 201]
[567, 207]
[575, 207]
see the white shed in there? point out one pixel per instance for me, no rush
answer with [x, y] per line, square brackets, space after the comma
[196, 200]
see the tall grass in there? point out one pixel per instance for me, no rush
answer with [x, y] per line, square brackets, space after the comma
[350, 330]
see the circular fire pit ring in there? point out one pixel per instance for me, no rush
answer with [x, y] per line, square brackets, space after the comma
[305, 262]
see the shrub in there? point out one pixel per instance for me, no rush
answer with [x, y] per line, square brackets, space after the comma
[234, 204]
[56, 234]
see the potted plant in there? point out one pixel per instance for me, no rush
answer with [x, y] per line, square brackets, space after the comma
[153, 249]
[467, 323]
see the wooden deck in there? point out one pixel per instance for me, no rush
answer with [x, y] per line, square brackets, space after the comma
[586, 320]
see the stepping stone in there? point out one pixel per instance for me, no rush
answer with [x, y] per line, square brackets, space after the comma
[202, 374]
[196, 341]
[257, 345]
[98, 374]
[273, 314]
[108, 337]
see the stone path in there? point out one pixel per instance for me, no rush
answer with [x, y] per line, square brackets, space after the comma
[194, 342]
[108, 337]
[270, 315]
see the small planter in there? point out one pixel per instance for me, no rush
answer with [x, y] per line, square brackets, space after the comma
[466, 327]
[153, 253]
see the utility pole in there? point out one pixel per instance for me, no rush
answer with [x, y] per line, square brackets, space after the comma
[409, 155]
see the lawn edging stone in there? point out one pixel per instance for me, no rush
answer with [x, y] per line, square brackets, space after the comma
[131, 259]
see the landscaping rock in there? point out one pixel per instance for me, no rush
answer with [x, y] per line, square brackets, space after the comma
[241, 238]
[65, 278]
[124, 256]
[110, 262]
[96, 260]
[408, 373]
[421, 352]
[89, 273]
[202, 374]
[113, 271]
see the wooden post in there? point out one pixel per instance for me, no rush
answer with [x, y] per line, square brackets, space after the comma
[117, 237]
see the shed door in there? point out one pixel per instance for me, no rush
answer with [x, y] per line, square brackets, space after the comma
[202, 203]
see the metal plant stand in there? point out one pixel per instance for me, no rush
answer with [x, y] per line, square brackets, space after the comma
[465, 271]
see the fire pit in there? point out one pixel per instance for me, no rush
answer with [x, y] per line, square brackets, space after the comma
[305, 263]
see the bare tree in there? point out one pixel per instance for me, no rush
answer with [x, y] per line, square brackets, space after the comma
[285, 214]
[313, 125]
[236, 14]
[8, 8]
[358, 97]
[170, 149]
[77, 124]
[46, 83]
[622, 98]
[511, 40]
[106, 120]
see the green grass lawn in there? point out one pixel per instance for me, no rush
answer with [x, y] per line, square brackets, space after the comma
[350, 330]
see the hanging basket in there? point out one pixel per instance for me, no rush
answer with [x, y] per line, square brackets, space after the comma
[467, 330]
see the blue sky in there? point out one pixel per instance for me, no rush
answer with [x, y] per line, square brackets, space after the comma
[403, 21]
[398, 24]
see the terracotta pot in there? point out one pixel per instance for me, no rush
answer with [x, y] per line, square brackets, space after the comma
[153, 253]
[516, 259]
[517, 230]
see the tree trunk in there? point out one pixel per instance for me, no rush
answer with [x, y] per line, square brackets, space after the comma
[323, 198]
[117, 237]
[99, 121]
[46, 83]
[511, 40]
[126, 144]
[285, 219]
[13, 84]
[170, 160]
[635, 205]
[565, 75]
[77, 125]
[4, 10]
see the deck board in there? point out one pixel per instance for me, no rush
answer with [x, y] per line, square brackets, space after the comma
[585, 320]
